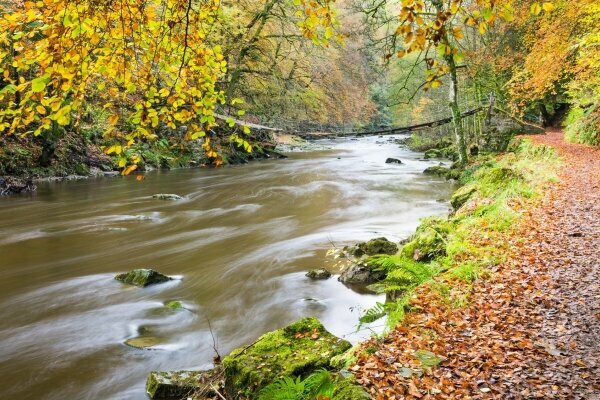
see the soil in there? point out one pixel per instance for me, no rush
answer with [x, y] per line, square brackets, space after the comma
[530, 331]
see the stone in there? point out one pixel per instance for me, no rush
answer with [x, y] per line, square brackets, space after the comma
[437, 170]
[433, 153]
[461, 196]
[143, 342]
[373, 247]
[167, 196]
[429, 240]
[393, 161]
[296, 350]
[319, 273]
[11, 185]
[178, 385]
[361, 273]
[174, 305]
[142, 277]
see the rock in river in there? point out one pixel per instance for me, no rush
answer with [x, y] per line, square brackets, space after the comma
[319, 273]
[361, 273]
[374, 246]
[167, 196]
[142, 277]
[296, 350]
[393, 161]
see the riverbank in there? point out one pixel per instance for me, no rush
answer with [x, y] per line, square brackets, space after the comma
[79, 157]
[515, 312]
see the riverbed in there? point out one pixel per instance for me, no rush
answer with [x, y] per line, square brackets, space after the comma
[239, 243]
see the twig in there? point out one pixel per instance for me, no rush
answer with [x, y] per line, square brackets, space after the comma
[215, 345]
[217, 392]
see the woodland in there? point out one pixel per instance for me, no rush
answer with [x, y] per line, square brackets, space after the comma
[496, 299]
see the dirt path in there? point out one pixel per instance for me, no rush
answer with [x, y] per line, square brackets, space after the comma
[532, 331]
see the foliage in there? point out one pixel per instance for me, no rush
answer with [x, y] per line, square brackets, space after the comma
[320, 385]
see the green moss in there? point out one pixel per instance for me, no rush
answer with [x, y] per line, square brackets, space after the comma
[174, 305]
[347, 389]
[429, 241]
[375, 246]
[296, 350]
[437, 170]
[142, 277]
[462, 195]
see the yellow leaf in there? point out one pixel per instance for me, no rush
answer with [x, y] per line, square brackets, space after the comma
[129, 170]
[41, 110]
[548, 6]
[113, 119]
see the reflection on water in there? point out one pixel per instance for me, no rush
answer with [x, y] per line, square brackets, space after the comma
[241, 241]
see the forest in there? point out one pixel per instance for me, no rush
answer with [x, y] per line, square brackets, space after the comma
[439, 158]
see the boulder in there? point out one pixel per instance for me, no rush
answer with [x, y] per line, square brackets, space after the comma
[296, 350]
[319, 273]
[361, 273]
[429, 240]
[433, 153]
[174, 305]
[143, 342]
[374, 246]
[437, 170]
[167, 196]
[461, 196]
[177, 385]
[393, 161]
[142, 277]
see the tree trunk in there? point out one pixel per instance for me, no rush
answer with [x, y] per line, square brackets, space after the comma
[459, 131]
[49, 139]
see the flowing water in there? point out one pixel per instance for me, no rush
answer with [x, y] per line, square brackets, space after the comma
[241, 241]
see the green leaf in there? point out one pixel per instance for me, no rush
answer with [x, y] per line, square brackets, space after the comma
[39, 84]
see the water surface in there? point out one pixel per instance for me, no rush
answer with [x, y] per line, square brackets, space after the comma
[241, 241]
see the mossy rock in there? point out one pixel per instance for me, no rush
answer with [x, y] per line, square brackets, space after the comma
[142, 277]
[437, 170]
[461, 196]
[174, 305]
[177, 385]
[374, 246]
[143, 342]
[429, 240]
[297, 350]
[362, 273]
[433, 153]
[348, 389]
[319, 273]
[346, 359]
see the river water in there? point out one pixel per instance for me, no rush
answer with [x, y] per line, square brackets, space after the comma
[241, 242]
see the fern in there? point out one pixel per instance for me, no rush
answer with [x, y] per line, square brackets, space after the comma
[378, 311]
[286, 388]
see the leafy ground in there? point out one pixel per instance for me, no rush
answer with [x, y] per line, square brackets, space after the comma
[531, 329]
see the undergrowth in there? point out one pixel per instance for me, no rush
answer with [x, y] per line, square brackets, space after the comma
[451, 253]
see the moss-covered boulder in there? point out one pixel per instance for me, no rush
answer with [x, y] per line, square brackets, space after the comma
[429, 240]
[433, 153]
[461, 196]
[177, 385]
[296, 350]
[319, 273]
[437, 170]
[142, 277]
[373, 247]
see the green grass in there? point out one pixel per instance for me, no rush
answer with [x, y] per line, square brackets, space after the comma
[462, 247]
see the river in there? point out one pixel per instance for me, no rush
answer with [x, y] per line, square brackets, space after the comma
[241, 241]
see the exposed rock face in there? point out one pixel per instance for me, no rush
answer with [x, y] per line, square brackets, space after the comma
[499, 128]
[142, 277]
[297, 350]
[178, 385]
[167, 196]
[319, 273]
[361, 273]
[393, 161]
[374, 246]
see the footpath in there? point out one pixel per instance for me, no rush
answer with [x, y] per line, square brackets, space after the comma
[531, 330]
